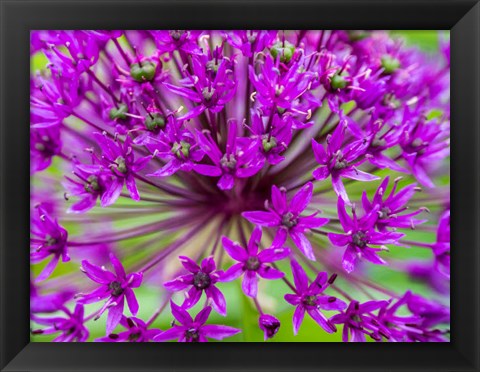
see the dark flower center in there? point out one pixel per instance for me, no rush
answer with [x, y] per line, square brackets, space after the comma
[384, 213]
[192, 335]
[134, 336]
[272, 329]
[359, 239]
[268, 143]
[289, 220]
[201, 280]
[253, 263]
[177, 34]
[310, 300]
[340, 164]
[50, 241]
[116, 288]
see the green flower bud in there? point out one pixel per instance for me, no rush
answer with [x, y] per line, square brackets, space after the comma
[283, 49]
[338, 82]
[281, 110]
[269, 144]
[121, 166]
[143, 72]
[153, 121]
[118, 113]
[390, 64]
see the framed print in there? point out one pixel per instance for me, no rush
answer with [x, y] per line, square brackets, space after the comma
[279, 183]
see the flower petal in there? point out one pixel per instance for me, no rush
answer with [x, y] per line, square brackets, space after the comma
[262, 218]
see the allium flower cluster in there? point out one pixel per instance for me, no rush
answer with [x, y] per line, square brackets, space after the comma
[242, 185]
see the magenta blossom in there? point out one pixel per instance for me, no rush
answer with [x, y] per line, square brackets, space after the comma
[359, 235]
[340, 162]
[252, 263]
[70, 328]
[115, 287]
[136, 331]
[310, 298]
[286, 218]
[441, 248]
[269, 325]
[48, 239]
[190, 330]
[359, 321]
[120, 159]
[201, 279]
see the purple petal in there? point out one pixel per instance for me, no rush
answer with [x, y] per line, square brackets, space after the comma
[114, 315]
[97, 274]
[349, 259]
[280, 237]
[226, 182]
[358, 175]
[112, 193]
[340, 240]
[192, 297]
[218, 300]
[189, 264]
[345, 219]
[299, 277]
[132, 187]
[293, 299]
[319, 152]
[298, 316]
[48, 269]
[219, 332]
[321, 320]
[208, 265]
[232, 273]
[262, 218]
[234, 250]
[203, 315]
[268, 272]
[179, 283]
[339, 188]
[279, 200]
[131, 301]
[273, 254]
[250, 283]
[254, 241]
[302, 198]
[170, 334]
[207, 170]
[180, 314]
[321, 173]
[117, 265]
[371, 256]
[303, 244]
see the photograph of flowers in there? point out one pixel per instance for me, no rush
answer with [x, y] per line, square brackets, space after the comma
[240, 186]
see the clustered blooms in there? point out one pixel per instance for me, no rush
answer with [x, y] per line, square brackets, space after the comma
[294, 172]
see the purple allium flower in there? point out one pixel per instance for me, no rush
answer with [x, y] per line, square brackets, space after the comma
[45, 143]
[358, 320]
[311, 299]
[115, 287]
[71, 328]
[340, 162]
[136, 331]
[240, 159]
[93, 182]
[194, 330]
[253, 264]
[390, 210]
[441, 248]
[48, 239]
[190, 141]
[285, 216]
[359, 236]
[269, 325]
[201, 279]
[120, 159]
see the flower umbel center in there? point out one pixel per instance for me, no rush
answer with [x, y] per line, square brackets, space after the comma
[310, 300]
[192, 335]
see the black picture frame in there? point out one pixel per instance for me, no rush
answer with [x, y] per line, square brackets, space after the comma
[18, 17]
